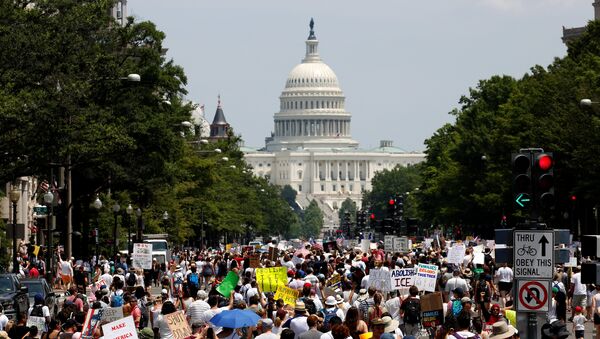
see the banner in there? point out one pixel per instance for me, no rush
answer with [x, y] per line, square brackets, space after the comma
[456, 254]
[112, 314]
[270, 278]
[380, 279]
[402, 279]
[228, 284]
[432, 310]
[39, 322]
[228, 247]
[142, 256]
[289, 295]
[122, 328]
[426, 277]
[178, 325]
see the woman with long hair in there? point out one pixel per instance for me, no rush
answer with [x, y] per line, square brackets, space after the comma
[355, 325]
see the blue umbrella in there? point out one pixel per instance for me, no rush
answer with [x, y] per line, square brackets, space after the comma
[235, 319]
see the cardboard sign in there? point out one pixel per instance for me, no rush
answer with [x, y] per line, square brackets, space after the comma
[228, 284]
[380, 279]
[255, 260]
[270, 278]
[39, 322]
[432, 310]
[178, 325]
[426, 277]
[289, 295]
[334, 282]
[364, 245]
[142, 256]
[457, 254]
[402, 279]
[92, 320]
[122, 328]
[112, 314]
[273, 253]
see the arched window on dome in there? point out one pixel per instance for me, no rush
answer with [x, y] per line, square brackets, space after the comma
[312, 105]
[317, 104]
[300, 104]
[295, 105]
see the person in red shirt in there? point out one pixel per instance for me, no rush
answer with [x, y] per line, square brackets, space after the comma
[33, 272]
[136, 313]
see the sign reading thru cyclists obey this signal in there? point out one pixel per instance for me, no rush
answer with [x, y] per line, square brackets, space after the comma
[533, 253]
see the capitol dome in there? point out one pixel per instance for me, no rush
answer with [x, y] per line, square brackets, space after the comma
[312, 106]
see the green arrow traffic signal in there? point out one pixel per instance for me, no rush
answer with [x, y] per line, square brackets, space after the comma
[523, 199]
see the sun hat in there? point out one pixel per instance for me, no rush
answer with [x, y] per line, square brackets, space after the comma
[330, 301]
[390, 324]
[501, 330]
[339, 299]
[164, 291]
[300, 307]
[266, 323]
[466, 300]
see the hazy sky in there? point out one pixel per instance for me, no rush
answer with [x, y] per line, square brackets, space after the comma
[402, 65]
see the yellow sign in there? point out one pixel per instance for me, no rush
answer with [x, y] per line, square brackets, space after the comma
[36, 250]
[289, 295]
[228, 247]
[270, 278]
[334, 281]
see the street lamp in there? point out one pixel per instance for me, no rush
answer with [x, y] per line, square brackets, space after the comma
[97, 205]
[129, 211]
[116, 208]
[14, 196]
[165, 218]
[138, 213]
[587, 102]
[50, 224]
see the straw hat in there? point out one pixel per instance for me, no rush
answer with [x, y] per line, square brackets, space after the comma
[501, 330]
[390, 324]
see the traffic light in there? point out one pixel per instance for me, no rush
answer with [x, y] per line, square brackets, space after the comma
[372, 219]
[391, 207]
[544, 179]
[522, 188]
[399, 203]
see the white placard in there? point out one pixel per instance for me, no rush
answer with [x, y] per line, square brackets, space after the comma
[478, 249]
[112, 314]
[388, 243]
[479, 258]
[401, 244]
[39, 322]
[402, 279]
[427, 243]
[122, 328]
[457, 253]
[142, 256]
[364, 245]
[380, 279]
[572, 262]
[426, 277]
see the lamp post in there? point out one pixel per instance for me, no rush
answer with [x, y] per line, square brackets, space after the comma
[129, 211]
[116, 208]
[14, 197]
[138, 213]
[49, 200]
[97, 205]
[165, 218]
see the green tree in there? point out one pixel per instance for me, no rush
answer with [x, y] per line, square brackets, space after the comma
[389, 183]
[313, 221]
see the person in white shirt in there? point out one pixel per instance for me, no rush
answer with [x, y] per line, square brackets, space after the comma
[108, 279]
[505, 281]
[266, 326]
[198, 307]
[455, 282]
[579, 291]
[3, 319]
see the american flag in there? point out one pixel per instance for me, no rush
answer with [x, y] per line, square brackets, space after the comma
[44, 186]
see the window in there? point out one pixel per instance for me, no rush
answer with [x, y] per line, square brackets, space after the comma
[351, 187]
[299, 188]
[260, 165]
[300, 164]
[299, 174]
[268, 165]
[334, 187]
[322, 188]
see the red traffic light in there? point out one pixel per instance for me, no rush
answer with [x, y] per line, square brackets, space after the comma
[544, 162]
[573, 198]
[391, 202]
[372, 216]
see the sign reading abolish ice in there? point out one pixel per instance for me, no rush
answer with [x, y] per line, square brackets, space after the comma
[142, 256]
[402, 279]
[426, 277]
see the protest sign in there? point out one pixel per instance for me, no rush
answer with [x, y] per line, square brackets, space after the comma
[388, 242]
[426, 277]
[178, 325]
[334, 281]
[364, 245]
[289, 295]
[122, 328]
[478, 249]
[478, 258]
[330, 246]
[228, 247]
[432, 310]
[572, 262]
[39, 322]
[92, 320]
[228, 284]
[273, 252]
[457, 254]
[380, 279]
[269, 278]
[142, 256]
[402, 279]
[255, 260]
[427, 243]
[400, 244]
[112, 314]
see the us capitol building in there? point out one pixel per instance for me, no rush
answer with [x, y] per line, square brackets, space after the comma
[311, 148]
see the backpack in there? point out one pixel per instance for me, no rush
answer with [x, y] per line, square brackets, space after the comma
[207, 270]
[456, 307]
[412, 312]
[37, 311]
[117, 300]
[327, 315]
[193, 279]
[131, 279]
[363, 307]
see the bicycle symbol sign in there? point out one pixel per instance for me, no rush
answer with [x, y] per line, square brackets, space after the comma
[533, 252]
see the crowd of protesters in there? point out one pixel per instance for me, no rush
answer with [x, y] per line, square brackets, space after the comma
[477, 298]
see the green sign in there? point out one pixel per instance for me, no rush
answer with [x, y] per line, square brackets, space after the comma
[523, 200]
[228, 284]
[40, 210]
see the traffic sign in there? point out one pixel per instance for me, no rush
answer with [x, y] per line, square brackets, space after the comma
[533, 254]
[533, 295]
